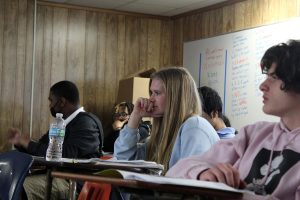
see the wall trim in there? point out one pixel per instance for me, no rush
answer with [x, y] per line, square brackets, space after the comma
[109, 11]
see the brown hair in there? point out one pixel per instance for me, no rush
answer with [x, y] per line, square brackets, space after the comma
[182, 102]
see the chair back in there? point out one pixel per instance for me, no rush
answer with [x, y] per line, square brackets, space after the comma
[14, 167]
[95, 191]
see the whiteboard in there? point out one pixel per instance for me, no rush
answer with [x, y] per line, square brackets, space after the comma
[230, 64]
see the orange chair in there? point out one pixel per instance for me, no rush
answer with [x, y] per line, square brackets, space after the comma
[95, 191]
[106, 156]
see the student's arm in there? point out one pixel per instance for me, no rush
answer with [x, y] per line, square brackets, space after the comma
[23, 143]
[225, 151]
[19, 140]
[38, 148]
[196, 137]
[224, 173]
[126, 146]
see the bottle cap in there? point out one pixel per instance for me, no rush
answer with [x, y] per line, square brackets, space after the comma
[59, 115]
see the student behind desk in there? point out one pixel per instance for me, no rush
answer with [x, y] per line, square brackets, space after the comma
[264, 156]
[83, 138]
[120, 117]
[178, 131]
[212, 107]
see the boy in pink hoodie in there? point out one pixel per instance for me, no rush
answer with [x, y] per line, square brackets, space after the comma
[264, 156]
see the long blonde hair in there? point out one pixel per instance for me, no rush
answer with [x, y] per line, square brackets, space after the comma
[182, 102]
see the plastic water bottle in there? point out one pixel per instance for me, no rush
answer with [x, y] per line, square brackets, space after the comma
[56, 138]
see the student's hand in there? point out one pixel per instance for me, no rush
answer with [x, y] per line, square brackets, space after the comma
[117, 124]
[143, 107]
[15, 138]
[224, 173]
[123, 119]
[14, 135]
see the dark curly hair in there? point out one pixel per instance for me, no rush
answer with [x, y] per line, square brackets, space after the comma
[211, 101]
[128, 105]
[286, 56]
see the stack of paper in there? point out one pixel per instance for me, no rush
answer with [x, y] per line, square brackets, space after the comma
[168, 180]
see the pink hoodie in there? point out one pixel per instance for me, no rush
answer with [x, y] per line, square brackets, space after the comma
[250, 152]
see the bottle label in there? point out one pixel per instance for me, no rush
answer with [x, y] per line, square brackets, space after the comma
[61, 132]
[53, 131]
[57, 132]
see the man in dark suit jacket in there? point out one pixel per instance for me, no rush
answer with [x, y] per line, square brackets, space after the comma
[83, 138]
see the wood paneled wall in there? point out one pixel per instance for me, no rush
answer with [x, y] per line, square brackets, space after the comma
[16, 43]
[95, 49]
[227, 17]
[92, 48]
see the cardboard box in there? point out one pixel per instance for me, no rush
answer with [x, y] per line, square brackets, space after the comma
[131, 89]
[134, 86]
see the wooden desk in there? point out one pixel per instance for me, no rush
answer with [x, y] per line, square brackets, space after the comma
[153, 187]
[82, 168]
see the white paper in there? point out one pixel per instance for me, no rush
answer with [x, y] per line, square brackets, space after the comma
[177, 181]
[114, 162]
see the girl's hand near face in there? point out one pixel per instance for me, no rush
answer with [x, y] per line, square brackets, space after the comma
[142, 108]
[152, 107]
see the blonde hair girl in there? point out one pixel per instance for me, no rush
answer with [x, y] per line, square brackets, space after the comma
[178, 130]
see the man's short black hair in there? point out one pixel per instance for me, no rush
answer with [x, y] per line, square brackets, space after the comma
[66, 89]
[211, 101]
[287, 59]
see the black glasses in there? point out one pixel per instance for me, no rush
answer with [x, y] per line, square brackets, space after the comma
[122, 114]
